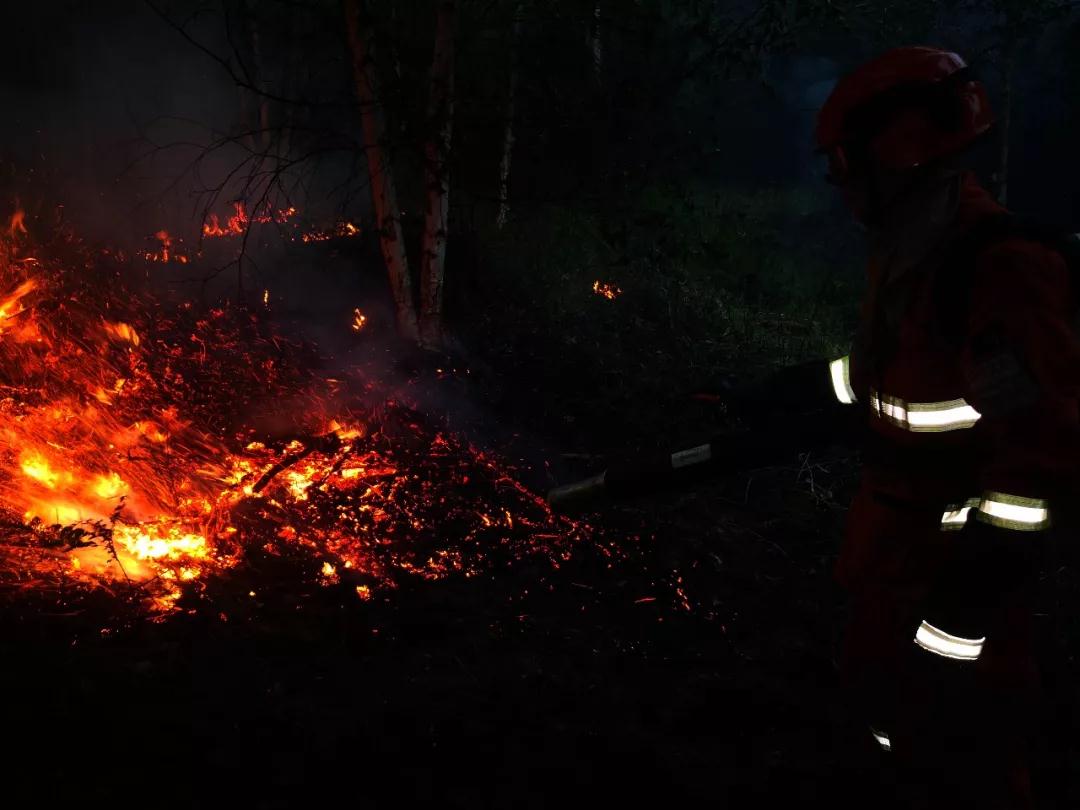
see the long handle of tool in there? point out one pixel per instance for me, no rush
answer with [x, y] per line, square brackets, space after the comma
[723, 455]
[641, 475]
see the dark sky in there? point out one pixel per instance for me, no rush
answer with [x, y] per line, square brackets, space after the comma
[86, 84]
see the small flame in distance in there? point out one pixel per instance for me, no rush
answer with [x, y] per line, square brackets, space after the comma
[170, 249]
[606, 290]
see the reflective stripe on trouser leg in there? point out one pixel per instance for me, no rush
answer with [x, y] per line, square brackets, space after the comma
[938, 642]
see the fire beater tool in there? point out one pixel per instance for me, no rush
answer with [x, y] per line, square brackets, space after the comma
[723, 455]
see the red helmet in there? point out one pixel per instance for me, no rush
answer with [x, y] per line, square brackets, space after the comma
[904, 109]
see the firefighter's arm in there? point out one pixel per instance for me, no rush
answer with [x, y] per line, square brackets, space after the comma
[1022, 370]
[800, 407]
[818, 390]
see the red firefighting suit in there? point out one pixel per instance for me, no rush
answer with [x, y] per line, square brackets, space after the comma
[972, 400]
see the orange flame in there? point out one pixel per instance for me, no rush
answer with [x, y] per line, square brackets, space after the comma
[10, 303]
[122, 332]
[18, 224]
[606, 290]
[234, 226]
[168, 251]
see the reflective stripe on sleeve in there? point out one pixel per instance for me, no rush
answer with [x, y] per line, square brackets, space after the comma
[1004, 511]
[946, 645]
[1013, 512]
[840, 371]
[925, 417]
[882, 739]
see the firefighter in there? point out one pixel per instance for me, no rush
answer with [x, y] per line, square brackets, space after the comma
[965, 373]
[963, 388]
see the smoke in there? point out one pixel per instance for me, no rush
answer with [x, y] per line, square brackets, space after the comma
[111, 111]
[90, 88]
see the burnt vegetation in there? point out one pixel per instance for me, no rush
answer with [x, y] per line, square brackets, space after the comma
[290, 353]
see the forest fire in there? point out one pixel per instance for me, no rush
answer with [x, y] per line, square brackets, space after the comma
[126, 456]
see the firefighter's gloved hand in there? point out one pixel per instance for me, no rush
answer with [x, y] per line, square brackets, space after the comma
[986, 564]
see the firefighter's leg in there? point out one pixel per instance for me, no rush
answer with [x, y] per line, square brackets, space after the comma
[962, 729]
[871, 660]
[885, 564]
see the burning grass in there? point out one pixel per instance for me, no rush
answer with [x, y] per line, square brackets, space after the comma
[147, 448]
[165, 248]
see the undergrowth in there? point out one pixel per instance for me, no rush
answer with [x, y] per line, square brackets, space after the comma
[716, 285]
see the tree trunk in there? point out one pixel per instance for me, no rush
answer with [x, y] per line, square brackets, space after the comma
[395, 52]
[258, 78]
[247, 133]
[436, 175]
[289, 89]
[383, 190]
[508, 126]
[596, 46]
[1006, 124]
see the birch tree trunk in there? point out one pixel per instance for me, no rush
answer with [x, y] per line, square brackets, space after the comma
[383, 189]
[508, 127]
[436, 175]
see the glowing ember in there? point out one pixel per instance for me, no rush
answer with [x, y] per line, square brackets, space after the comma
[359, 320]
[342, 230]
[606, 290]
